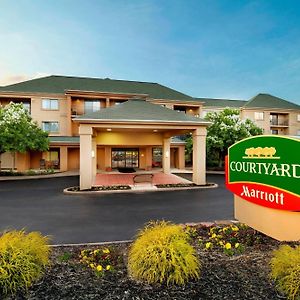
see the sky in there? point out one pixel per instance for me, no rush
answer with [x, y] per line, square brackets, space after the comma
[205, 48]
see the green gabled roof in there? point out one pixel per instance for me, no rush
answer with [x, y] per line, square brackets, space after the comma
[142, 111]
[64, 139]
[209, 102]
[60, 84]
[269, 101]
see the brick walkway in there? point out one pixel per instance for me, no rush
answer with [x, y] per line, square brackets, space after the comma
[127, 179]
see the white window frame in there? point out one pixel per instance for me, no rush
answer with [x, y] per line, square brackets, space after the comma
[50, 123]
[93, 105]
[53, 104]
[259, 116]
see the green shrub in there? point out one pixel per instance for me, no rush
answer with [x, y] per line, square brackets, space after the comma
[285, 266]
[30, 172]
[162, 253]
[22, 260]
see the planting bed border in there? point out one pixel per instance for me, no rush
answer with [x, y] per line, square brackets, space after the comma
[146, 189]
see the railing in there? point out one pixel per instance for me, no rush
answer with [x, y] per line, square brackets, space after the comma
[279, 122]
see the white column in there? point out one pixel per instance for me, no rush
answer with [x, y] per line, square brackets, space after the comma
[199, 155]
[166, 155]
[94, 157]
[86, 160]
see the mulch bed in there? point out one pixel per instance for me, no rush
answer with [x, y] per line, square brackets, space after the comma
[100, 188]
[243, 276]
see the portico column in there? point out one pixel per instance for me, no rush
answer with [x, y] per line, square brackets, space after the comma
[86, 160]
[181, 157]
[199, 155]
[107, 154]
[94, 157]
[63, 159]
[166, 155]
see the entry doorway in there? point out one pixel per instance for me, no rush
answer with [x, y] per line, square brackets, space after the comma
[124, 158]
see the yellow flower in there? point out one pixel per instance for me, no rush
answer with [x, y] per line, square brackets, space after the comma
[106, 250]
[99, 268]
[221, 243]
[92, 266]
[96, 252]
[235, 228]
[208, 245]
[85, 257]
[228, 246]
[237, 245]
[108, 267]
[214, 236]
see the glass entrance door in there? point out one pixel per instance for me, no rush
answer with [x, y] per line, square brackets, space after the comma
[124, 158]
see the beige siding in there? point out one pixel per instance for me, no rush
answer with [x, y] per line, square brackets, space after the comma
[61, 115]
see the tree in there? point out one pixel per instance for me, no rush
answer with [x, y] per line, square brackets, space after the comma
[226, 129]
[18, 132]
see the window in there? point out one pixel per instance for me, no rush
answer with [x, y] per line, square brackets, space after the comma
[298, 132]
[50, 126]
[274, 131]
[259, 116]
[26, 106]
[50, 104]
[298, 118]
[180, 108]
[91, 106]
[157, 157]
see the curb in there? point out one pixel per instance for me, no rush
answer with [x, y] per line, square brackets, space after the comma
[58, 175]
[92, 244]
[204, 224]
[66, 192]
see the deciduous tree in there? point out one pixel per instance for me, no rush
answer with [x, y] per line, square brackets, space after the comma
[226, 129]
[18, 132]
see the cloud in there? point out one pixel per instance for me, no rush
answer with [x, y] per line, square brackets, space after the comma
[15, 78]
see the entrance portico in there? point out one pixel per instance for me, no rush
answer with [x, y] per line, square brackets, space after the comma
[102, 134]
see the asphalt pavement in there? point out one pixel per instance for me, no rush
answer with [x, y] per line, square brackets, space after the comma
[39, 204]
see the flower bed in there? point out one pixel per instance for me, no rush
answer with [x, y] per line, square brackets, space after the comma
[100, 188]
[27, 173]
[100, 272]
[181, 185]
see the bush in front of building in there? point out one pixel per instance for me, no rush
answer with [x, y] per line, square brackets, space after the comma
[162, 254]
[23, 258]
[285, 270]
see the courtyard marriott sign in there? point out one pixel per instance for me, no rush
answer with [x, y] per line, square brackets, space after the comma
[264, 174]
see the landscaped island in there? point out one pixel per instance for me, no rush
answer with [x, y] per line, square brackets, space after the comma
[234, 263]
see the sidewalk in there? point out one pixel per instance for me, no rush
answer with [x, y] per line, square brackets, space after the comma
[53, 175]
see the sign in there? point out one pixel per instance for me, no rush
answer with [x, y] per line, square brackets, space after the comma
[265, 170]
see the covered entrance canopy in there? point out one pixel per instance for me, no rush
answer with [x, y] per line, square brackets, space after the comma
[133, 128]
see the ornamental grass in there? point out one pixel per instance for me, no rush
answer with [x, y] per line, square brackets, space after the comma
[162, 254]
[285, 270]
[23, 258]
